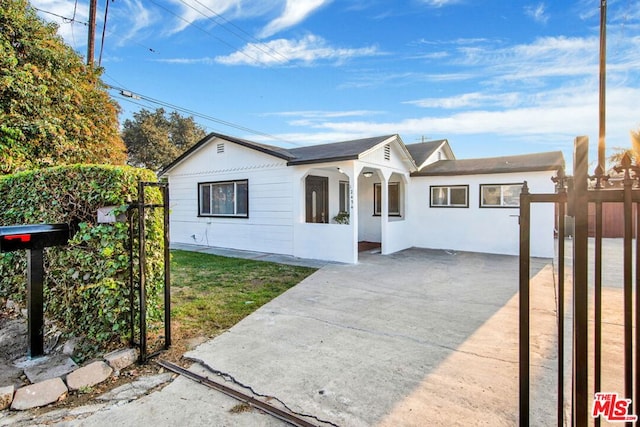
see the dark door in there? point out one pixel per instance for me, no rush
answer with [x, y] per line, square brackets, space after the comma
[317, 199]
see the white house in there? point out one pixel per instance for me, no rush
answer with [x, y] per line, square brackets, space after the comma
[234, 193]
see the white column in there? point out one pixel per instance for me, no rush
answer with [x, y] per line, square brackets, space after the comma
[384, 208]
[354, 173]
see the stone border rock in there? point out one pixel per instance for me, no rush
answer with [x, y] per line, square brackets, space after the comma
[51, 390]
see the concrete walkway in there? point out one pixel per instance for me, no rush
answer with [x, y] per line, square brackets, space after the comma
[421, 337]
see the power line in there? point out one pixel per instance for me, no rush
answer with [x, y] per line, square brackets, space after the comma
[65, 18]
[208, 32]
[133, 95]
[73, 20]
[104, 29]
[257, 43]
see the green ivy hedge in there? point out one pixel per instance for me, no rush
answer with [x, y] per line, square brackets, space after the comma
[86, 290]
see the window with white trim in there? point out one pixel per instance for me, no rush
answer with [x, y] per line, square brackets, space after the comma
[454, 196]
[500, 195]
[224, 198]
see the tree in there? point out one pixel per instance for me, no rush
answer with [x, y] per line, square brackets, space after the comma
[53, 108]
[154, 140]
[634, 152]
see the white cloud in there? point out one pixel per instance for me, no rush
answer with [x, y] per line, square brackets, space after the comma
[132, 17]
[562, 113]
[316, 114]
[537, 12]
[125, 21]
[295, 11]
[194, 11]
[375, 78]
[474, 99]
[309, 50]
[73, 33]
[441, 3]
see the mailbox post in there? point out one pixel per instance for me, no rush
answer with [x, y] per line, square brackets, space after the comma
[33, 239]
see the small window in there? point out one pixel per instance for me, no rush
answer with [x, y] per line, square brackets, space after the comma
[500, 195]
[228, 198]
[344, 197]
[393, 196]
[449, 196]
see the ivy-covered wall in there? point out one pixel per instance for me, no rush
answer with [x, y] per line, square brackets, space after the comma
[86, 289]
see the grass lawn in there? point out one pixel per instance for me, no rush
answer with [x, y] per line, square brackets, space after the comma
[210, 293]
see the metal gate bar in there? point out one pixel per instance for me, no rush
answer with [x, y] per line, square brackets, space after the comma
[580, 371]
[140, 287]
[581, 196]
[597, 335]
[628, 272]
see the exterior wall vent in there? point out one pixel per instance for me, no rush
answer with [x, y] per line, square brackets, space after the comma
[220, 148]
[387, 152]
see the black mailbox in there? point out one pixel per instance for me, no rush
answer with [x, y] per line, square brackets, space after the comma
[34, 238]
[37, 236]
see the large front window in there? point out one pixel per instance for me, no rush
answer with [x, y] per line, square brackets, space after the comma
[393, 196]
[227, 198]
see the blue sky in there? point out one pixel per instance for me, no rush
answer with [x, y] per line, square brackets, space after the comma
[493, 77]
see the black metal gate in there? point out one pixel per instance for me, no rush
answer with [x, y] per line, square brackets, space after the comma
[584, 351]
[138, 214]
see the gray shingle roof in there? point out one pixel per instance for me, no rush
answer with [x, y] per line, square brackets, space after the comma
[346, 150]
[351, 150]
[422, 150]
[522, 163]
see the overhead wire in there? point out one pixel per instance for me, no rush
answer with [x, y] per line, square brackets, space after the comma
[104, 29]
[249, 39]
[192, 23]
[134, 95]
[65, 18]
[167, 104]
[149, 105]
[73, 20]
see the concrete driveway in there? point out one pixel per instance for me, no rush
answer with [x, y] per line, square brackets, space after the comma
[421, 337]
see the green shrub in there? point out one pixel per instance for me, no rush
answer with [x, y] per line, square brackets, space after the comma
[86, 290]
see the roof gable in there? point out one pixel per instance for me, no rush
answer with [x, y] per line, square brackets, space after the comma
[548, 161]
[264, 148]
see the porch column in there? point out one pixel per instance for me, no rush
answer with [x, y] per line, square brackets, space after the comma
[384, 210]
[353, 174]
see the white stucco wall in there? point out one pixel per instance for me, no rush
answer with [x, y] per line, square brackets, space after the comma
[491, 230]
[331, 242]
[269, 227]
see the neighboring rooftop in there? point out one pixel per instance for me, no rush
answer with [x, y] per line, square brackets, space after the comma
[551, 160]
[422, 150]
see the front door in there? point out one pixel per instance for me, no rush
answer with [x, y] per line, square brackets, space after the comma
[317, 199]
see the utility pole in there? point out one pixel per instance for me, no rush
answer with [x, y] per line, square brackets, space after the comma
[91, 45]
[603, 84]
